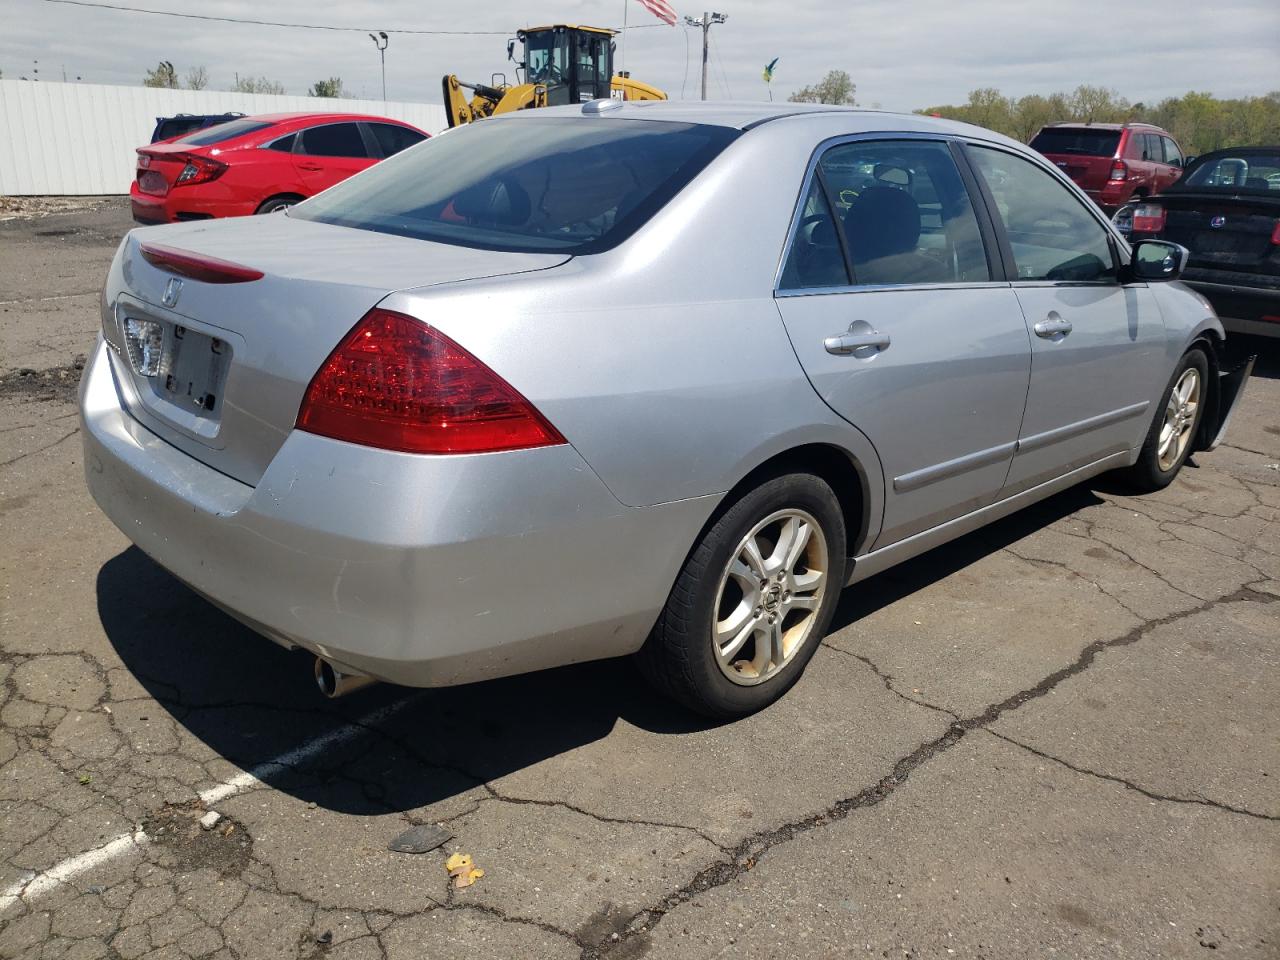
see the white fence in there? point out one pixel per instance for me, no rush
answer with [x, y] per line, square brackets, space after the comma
[63, 139]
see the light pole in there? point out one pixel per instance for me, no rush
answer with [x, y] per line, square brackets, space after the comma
[380, 41]
[705, 21]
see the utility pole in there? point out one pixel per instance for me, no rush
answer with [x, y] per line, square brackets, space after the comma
[705, 21]
[380, 41]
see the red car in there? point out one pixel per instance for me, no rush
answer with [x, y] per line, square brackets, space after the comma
[1113, 162]
[259, 164]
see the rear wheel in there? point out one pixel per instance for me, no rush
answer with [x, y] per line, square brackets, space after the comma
[282, 202]
[1174, 427]
[752, 601]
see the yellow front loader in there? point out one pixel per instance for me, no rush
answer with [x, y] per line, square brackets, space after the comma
[562, 64]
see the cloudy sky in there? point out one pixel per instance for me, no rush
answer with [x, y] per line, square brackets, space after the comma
[902, 55]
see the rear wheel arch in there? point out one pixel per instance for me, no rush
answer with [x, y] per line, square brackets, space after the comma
[276, 198]
[840, 469]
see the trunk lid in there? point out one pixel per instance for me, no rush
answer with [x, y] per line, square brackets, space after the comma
[230, 361]
[1089, 173]
[1223, 232]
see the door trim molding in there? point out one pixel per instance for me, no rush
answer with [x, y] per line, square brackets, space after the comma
[1058, 434]
[949, 468]
[882, 559]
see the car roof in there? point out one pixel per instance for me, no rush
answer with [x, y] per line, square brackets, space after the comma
[744, 115]
[311, 115]
[1252, 151]
[1090, 125]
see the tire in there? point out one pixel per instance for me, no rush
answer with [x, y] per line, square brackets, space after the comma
[1157, 464]
[276, 204]
[680, 655]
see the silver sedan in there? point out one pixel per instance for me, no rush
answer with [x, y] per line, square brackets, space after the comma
[657, 379]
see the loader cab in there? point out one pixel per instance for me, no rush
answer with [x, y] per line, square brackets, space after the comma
[575, 64]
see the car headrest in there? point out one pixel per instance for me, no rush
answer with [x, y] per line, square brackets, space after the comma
[501, 202]
[881, 222]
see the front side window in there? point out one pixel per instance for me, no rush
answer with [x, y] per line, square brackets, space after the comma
[333, 140]
[1171, 152]
[526, 184]
[1052, 235]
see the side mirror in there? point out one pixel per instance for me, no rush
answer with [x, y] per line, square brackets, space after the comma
[1187, 161]
[511, 50]
[1157, 260]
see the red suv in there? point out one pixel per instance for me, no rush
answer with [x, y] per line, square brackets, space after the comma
[259, 164]
[1113, 162]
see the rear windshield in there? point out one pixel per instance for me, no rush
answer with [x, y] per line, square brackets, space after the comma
[531, 185]
[225, 131]
[1082, 141]
[1254, 172]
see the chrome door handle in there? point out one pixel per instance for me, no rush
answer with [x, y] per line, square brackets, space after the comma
[1051, 327]
[847, 343]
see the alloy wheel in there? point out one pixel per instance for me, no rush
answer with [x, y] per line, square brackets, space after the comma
[769, 596]
[1179, 419]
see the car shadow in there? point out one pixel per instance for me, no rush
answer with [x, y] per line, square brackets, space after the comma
[1266, 349]
[252, 702]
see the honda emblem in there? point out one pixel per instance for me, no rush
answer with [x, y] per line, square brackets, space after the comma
[172, 291]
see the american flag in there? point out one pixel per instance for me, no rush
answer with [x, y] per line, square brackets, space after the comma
[660, 9]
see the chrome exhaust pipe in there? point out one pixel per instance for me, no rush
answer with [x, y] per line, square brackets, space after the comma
[333, 683]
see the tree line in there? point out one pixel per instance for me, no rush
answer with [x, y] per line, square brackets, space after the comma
[1199, 121]
[197, 78]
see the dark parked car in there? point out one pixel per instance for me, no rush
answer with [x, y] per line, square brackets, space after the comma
[169, 127]
[1113, 162]
[1226, 211]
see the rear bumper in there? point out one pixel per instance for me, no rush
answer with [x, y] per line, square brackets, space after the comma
[1242, 308]
[186, 203]
[423, 571]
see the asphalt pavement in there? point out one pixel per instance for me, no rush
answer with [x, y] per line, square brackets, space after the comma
[1057, 737]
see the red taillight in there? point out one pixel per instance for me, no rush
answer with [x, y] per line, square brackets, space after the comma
[1148, 218]
[1275, 234]
[196, 265]
[198, 169]
[1119, 171]
[396, 383]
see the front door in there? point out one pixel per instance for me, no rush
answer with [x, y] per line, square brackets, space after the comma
[1097, 346]
[900, 324]
[328, 154]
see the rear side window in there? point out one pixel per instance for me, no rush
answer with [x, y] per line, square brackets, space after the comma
[526, 184]
[1077, 140]
[1052, 235]
[392, 139]
[284, 144]
[815, 258]
[333, 140]
[225, 131]
[900, 210]
[1154, 149]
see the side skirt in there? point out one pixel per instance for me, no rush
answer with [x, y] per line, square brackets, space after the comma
[872, 563]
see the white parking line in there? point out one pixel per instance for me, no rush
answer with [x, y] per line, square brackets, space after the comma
[37, 884]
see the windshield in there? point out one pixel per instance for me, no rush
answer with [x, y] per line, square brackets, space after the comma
[1077, 140]
[1246, 171]
[225, 131]
[531, 185]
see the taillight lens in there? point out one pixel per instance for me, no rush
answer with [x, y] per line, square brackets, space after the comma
[1148, 218]
[1275, 234]
[198, 169]
[1119, 171]
[396, 383]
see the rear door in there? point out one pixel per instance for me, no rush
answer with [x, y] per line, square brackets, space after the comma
[330, 153]
[1097, 346]
[904, 327]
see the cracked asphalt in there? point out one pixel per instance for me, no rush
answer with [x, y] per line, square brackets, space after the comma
[1058, 737]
